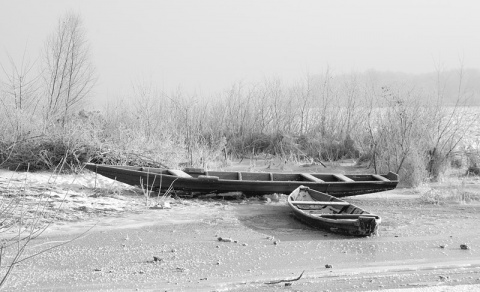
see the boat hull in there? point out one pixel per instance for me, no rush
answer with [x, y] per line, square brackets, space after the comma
[342, 218]
[251, 184]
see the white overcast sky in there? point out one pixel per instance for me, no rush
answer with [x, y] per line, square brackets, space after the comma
[206, 45]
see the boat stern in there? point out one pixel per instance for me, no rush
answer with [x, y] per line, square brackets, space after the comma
[367, 225]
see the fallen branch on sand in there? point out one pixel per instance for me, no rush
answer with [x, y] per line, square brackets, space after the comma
[292, 280]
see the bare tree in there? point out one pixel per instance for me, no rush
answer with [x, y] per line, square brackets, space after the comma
[69, 75]
[149, 109]
[325, 100]
[20, 86]
[303, 92]
[18, 102]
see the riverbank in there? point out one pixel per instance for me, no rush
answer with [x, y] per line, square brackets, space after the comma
[177, 249]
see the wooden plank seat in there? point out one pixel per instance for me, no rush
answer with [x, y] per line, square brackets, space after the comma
[310, 177]
[320, 203]
[379, 177]
[194, 170]
[179, 173]
[343, 178]
[346, 216]
[208, 178]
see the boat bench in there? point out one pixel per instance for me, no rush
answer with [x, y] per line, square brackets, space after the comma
[310, 177]
[320, 203]
[179, 173]
[379, 177]
[347, 216]
[208, 178]
[341, 177]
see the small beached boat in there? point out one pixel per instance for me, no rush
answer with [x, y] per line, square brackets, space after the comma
[200, 181]
[323, 211]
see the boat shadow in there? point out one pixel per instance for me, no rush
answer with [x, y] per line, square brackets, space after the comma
[277, 220]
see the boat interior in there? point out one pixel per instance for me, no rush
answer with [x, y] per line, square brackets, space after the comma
[326, 206]
[265, 176]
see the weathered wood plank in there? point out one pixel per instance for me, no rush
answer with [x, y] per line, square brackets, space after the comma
[311, 177]
[320, 203]
[179, 173]
[346, 216]
[209, 178]
[379, 177]
[343, 178]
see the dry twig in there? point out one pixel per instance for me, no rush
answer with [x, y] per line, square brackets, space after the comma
[291, 280]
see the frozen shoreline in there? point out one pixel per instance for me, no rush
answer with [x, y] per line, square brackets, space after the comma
[118, 253]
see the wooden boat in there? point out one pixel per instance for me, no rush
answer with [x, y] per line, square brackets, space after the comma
[321, 210]
[250, 183]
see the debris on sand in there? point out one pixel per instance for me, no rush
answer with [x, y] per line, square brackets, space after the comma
[291, 280]
[464, 246]
[162, 205]
[327, 266]
[271, 198]
[444, 278]
[157, 259]
[225, 239]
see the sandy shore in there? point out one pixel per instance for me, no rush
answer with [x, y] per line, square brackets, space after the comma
[177, 249]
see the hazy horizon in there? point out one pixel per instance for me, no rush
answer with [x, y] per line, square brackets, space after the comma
[205, 46]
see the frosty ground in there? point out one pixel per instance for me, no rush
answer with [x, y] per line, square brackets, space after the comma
[132, 246]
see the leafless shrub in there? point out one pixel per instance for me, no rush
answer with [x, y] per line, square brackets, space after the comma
[395, 133]
[22, 220]
[456, 161]
[448, 124]
[473, 163]
[453, 194]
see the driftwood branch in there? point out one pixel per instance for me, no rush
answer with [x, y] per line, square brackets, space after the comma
[291, 280]
[58, 245]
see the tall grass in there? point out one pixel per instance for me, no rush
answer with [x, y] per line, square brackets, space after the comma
[389, 127]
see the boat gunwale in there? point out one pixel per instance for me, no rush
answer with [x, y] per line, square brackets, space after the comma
[220, 179]
[378, 219]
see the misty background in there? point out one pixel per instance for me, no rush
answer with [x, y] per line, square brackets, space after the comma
[392, 86]
[203, 47]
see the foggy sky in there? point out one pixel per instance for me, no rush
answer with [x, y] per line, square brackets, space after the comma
[205, 46]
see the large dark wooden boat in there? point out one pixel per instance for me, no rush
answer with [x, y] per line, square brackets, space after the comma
[250, 183]
[321, 210]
